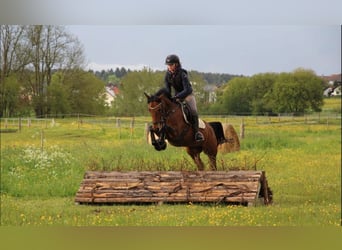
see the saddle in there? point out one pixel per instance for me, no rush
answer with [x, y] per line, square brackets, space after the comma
[217, 126]
[187, 114]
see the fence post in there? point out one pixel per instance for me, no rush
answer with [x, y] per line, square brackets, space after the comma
[42, 140]
[242, 129]
[146, 132]
[118, 125]
[132, 127]
[19, 124]
[78, 120]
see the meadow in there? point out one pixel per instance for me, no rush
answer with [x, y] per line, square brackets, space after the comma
[43, 165]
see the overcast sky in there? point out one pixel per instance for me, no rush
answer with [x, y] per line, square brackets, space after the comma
[234, 49]
[237, 37]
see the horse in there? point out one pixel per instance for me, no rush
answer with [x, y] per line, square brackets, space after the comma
[170, 123]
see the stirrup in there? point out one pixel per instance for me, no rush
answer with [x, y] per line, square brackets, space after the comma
[199, 136]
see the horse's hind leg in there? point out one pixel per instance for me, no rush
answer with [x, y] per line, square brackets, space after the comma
[212, 157]
[195, 155]
[212, 162]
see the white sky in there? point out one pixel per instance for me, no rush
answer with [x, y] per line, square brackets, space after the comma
[237, 37]
[234, 49]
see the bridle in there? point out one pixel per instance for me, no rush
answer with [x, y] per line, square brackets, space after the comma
[159, 144]
[164, 114]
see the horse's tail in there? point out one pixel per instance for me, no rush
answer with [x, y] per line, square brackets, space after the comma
[232, 143]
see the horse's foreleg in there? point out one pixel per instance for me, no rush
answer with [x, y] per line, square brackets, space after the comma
[199, 163]
[195, 155]
[212, 162]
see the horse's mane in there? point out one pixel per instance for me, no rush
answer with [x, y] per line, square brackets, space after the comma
[163, 91]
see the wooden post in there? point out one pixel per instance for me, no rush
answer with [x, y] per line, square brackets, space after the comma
[78, 120]
[146, 132]
[118, 125]
[242, 129]
[19, 124]
[132, 128]
[42, 140]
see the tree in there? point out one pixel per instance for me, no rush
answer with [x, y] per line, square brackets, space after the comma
[10, 37]
[10, 96]
[50, 47]
[58, 95]
[234, 97]
[198, 83]
[260, 90]
[131, 100]
[85, 92]
[34, 52]
[297, 92]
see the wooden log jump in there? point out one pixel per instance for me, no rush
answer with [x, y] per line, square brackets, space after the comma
[236, 187]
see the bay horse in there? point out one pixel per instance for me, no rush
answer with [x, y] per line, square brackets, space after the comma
[169, 122]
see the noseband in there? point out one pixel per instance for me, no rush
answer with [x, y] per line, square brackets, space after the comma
[155, 109]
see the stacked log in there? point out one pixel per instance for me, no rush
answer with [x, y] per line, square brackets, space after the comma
[238, 187]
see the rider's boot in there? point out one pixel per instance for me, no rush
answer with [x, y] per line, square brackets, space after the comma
[198, 135]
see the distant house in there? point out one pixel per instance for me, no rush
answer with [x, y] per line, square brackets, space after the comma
[334, 82]
[336, 78]
[331, 91]
[211, 89]
[327, 92]
[111, 92]
[336, 91]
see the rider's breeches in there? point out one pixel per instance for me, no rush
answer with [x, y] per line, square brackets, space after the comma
[191, 101]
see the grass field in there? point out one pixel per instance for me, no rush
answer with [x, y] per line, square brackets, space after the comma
[42, 167]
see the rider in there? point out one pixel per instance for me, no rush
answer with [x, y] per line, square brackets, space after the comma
[177, 77]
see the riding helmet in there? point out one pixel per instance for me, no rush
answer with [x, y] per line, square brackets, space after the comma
[171, 59]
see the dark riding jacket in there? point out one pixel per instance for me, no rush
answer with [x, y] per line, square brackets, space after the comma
[180, 83]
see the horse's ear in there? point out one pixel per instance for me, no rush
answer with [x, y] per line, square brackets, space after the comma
[147, 95]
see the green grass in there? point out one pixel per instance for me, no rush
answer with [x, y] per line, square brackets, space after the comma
[42, 168]
[332, 104]
[62, 211]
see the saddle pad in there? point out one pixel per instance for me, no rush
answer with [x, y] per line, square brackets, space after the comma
[201, 123]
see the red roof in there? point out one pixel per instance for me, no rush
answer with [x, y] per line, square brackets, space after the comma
[333, 78]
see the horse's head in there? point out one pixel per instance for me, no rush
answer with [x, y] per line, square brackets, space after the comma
[158, 106]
